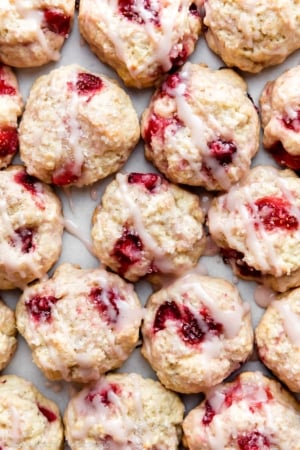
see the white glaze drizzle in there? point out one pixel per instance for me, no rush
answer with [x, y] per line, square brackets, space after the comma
[290, 320]
[73, 229]
[263, 296]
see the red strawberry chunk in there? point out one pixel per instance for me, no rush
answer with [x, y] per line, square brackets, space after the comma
[104, 395]
[222, 151]
[149, 11]
[150, 180]
[40, 307]
[283, 158]
[273, 212]
[50, 416]
[6, 89]
[25, 236]
[127, 250]
[253, 441]
[106, 303]
[57, 21]
[9, 141]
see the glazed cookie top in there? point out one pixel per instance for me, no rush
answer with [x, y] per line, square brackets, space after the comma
[11, 107]
[75, 120]
[34, 30]
[147, 226]
[80, 323]
[31, 228]
[251, 412]
[280, 114]
[8, 330]
[196, 332]
[252, 35]
[258, 220]
[201, 128]
[28, 419]
[124, 411]
[141, 40]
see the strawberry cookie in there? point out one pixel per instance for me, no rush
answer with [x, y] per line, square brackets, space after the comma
[74, 120]
[252, 412]
[124, 411]
[8, 330]
[148, 226]
[201, 128]
[11, 107]
[252, 35]
[196, 332]
[141, 39]
[33, 31]
[31, 228]
[278, 338]
[257, 226]
[280, 113]
[80, 323]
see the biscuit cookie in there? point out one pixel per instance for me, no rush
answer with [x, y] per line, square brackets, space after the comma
[8, 341]
[278, 339]
[124, 411]
[11, 106]
[252, 35]
[141, 40]
[201, 128]
[80, 323]
[196, 332]
[257, 225]
[252, 412]
[33, 31]
[28, 419]
[74, 119]
[145, 225]
[31, 228]
[280, 114]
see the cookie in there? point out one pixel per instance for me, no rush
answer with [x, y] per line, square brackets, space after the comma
[8, 341]
[75, 119]
[124, 411]
[141, 40]
[252, 412]
[280, 114]
[146, 226]
[31, 228]
[257, 224]
[33, 32]
[80, 323]
[278, 339]
[28, 419]
[11, 107]
[252, 35]
[201, 128]
[196, 332]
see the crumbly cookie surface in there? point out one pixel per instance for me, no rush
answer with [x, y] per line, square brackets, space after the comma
[145, 225]
[124, 411]
[33, 31]
[141, 40]
[8, 330]
[31, 228]
[11, 107]
[252, 35]
[201, 128]
[196, 332]
[80, 323]
[257, 225]
[28, 419]
[280, 113]
[251, 412]
[278, 339]
[75, 121]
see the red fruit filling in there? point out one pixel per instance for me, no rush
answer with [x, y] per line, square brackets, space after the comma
[25, 238]
[106, 303]
[273, 212]
[194, 10]
[139, 14]
[222, 151]
[209, 414]
[230, 255]
[127, 250]
[27, 181]
[292, 124]
[50, 416]
[253, 441]
[190, 329]
[283, 158]
[157, 126]
[171, 82]
[67, 174]
[88, 84]
[151, 181]
[6, 89]
[104, 395]
[9, 141]
[178, 56]
[40, 307]
[57, 21]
